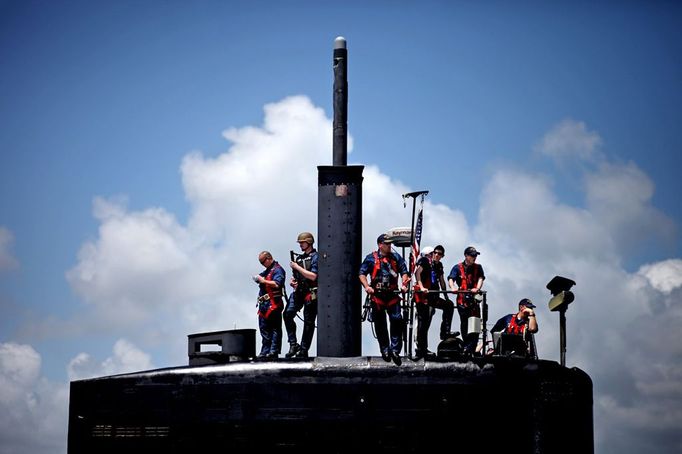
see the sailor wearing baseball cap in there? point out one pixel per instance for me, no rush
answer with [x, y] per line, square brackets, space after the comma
[467, 277]
[527, 303]
[522, 323]
[384, 266]
[384, 239]
[471, 252]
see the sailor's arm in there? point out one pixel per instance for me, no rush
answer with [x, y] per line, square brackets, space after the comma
[365, 284]
[532, 321]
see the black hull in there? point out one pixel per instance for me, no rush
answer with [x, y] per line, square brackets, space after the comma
[336, 404]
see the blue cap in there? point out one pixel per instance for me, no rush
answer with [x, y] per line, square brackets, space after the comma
[526, 302]
[471, 251]
[383, 238]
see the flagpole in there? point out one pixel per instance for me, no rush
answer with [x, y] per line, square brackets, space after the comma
[408, 330]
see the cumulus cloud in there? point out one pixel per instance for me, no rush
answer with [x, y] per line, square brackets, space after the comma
[7, 260]
[664, 276]
[33, 411]
[152, 279]
[619, 196]
[126, 358]
[636, 369]
[569, 138]
[520, 212]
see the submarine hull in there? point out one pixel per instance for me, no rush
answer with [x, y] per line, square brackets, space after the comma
[336, 404]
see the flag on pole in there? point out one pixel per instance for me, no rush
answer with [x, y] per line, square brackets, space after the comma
[417, 238]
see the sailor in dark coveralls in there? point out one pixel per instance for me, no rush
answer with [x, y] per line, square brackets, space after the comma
[304, 282]
[385, 266]
[429, 276]
[270, 282]
[467, 275]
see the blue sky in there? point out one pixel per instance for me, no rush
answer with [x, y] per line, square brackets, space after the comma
[141, 143]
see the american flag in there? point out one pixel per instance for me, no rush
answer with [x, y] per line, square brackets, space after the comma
[417, 240]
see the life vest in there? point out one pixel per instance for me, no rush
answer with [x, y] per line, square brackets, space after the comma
[427, 281]
[306, 262]
[515, 327]
[274, 294]
[387, 299]
[466, 285]
[393, 280]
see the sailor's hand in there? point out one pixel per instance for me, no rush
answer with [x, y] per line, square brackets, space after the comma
[369, 290]
[474, 290]
[404, 288]
[293, 265]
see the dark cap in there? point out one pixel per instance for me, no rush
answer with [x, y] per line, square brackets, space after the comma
[526, 302]
[471, 251]
[383, 238]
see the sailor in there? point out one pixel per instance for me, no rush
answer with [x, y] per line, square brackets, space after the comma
[423, 283]
[523, 323]
[436, 301]
[429, 281]
[270, 305]
[304, 282]
[385, 266]
[467, 277]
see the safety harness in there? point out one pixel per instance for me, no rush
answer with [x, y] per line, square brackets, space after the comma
[466, 284]
[515, 327]
[426, 279]
[383, 296]
[272, 299]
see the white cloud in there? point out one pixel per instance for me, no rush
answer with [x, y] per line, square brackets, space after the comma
[569, 138]
[519, 213]
[126, 358]
[619, 196]
[33, 411]
[19, 364]
[264, 168]
[7, 260]
[664, 276]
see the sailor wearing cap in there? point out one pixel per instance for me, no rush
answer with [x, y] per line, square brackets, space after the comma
[384, 266]
[522, 323]
[423, 277]
[467, 276]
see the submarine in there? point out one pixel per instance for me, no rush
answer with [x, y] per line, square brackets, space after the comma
[228, 401]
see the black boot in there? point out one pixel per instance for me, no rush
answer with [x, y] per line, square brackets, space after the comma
[293, 349]
[396, 358]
